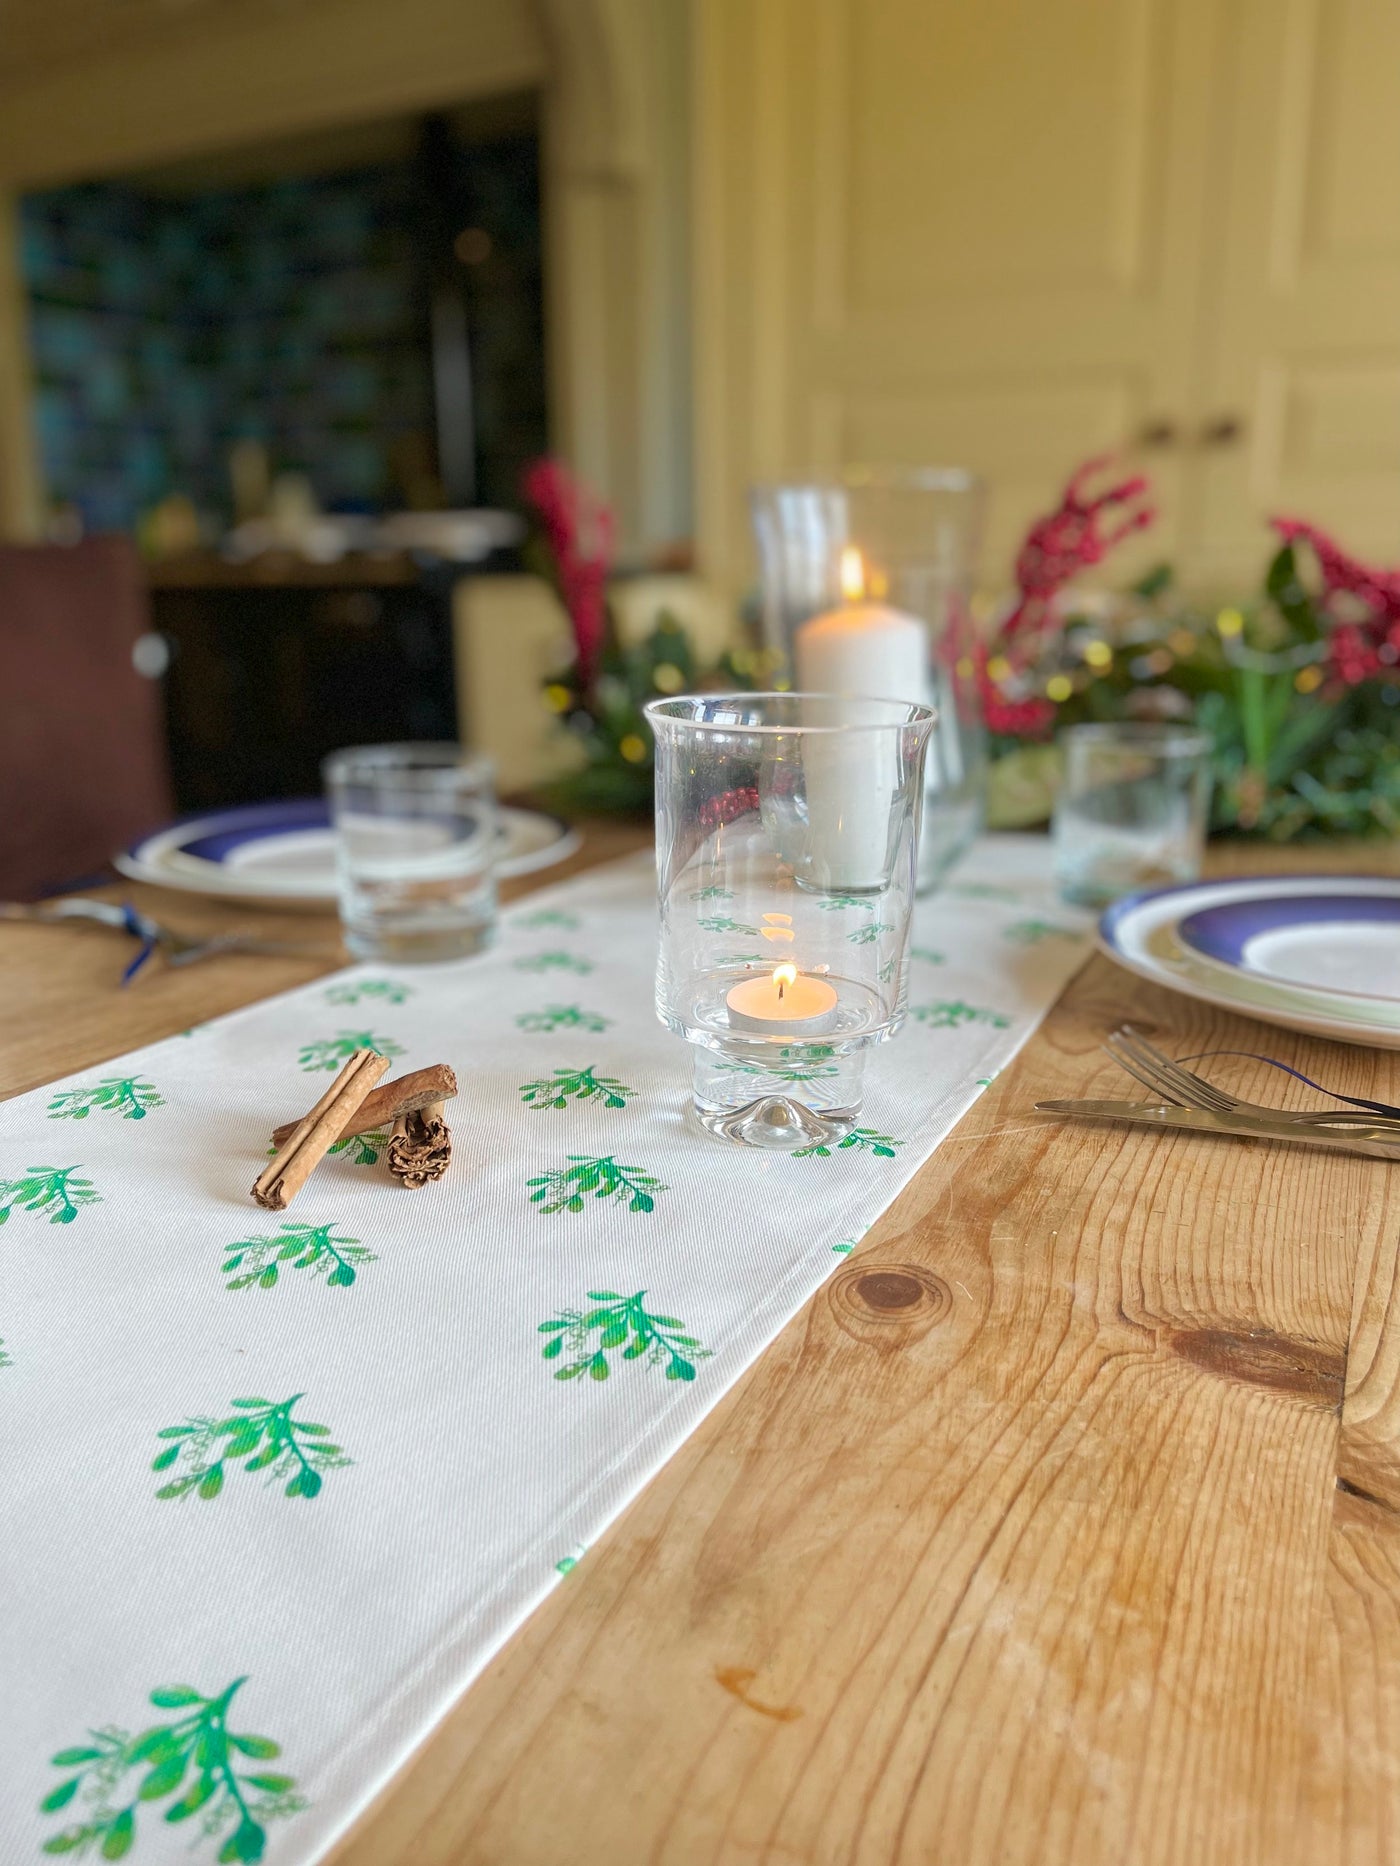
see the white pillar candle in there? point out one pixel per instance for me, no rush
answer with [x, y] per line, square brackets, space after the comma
[787, 1003]
[870, 649]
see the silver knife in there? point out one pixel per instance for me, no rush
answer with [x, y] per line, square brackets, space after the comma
[1380, 1142]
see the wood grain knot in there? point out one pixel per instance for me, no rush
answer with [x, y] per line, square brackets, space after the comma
[736, 1680]
[1264, 1359]
[888, 1306]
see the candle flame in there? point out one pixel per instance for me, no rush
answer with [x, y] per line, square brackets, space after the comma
[852, 573]
[783, 976]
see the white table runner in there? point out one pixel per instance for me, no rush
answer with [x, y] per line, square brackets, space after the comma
[277, 1486]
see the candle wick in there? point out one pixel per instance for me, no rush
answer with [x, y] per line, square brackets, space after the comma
[782, 983]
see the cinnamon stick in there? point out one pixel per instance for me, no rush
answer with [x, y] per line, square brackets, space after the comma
[316, 1133]
[404, 1095]
[421, 1146]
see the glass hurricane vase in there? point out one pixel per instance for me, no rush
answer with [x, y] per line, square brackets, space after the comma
[787, 831]
[886, 547]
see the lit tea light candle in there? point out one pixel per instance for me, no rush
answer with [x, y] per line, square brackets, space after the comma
[787, 1004]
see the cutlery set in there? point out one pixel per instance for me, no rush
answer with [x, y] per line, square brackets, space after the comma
[152, 935]
[1186, 1102]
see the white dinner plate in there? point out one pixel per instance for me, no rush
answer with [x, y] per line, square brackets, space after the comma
[283, 854]
[1182, 938]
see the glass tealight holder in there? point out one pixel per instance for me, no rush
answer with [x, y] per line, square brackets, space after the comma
[786, 835]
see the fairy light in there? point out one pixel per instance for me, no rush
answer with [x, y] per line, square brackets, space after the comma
[1058, 687]
[1230, 622]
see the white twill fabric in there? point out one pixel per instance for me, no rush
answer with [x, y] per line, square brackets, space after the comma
[357, 1603]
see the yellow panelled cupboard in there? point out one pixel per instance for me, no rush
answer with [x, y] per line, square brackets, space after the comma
[1010, 233]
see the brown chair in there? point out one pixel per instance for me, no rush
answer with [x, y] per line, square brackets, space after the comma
[82, 742]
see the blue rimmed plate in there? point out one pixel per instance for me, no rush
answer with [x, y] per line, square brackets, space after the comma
[1325, 942]
[1319, 953]
[283, 854]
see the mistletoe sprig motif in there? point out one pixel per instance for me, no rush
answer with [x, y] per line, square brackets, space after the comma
[554, 962]
[951, 1013]
[860, 1139]
[782, 1072]
[51, 1189]
[5, 1360]
[983, 891]
[839, 903]
[929, 955]
[712, 894]
[869, 934]
[742, 958]
[363, 1149]
[261, 1432]
[382, 990]
[567, 1085]
[566, 1188]
[126, 1096]
[721, 923]
[551, 917]
[1031, 932]
[615, 1318]
[256, 1263]
[334, 1052]
[562, 1017]
[195, 1753]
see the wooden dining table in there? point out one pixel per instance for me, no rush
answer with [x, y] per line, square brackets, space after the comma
[1062, 1526]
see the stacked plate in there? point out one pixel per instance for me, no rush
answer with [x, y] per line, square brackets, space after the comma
[1319, 953]
[283, 854]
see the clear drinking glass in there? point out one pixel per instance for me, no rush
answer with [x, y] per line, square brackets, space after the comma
[415, 847]
[786, 839]
[1131, 809]
[905, 541]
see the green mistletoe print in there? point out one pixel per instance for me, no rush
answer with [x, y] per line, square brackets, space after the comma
[950, 1013]
[562, 1017]
[255, 1263]
[983, 891]
[868, 934]
[122, 1095]
[381, 990]
[5, 1360]
[333, 1053]
[928, 955]
[567, 1085]
[742, 958]
[193, 1756]
[261, 1433]
[363, 1149]
[721, 923]
[859, 1139]
[1031, 932]
[554, 962]
[782, 1072]
[550, 917]
[51, 1189]
[565, 1189]
[617, 1320]
[840, 903]
[713, 894]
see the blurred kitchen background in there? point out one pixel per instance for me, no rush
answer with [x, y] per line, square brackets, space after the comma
[292, 290]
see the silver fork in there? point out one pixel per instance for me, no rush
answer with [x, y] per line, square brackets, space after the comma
[176, 948]
[1132, 1052]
